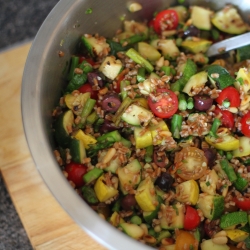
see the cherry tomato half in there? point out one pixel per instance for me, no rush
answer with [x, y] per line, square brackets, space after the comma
[227, 118]
[76, 172]
[164, 103]
[190, 163]
[242, 203]
[191, 219]
[229, 97]
[186, 240]
[245, 124]
[166, 20]
[88, 88]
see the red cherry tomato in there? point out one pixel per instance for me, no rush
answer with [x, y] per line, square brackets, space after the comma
[229, 97]
[164, 103]
[76, 172]
[88, 88]
[191, 219]
[242, 203]
[166, 20]
[245, 124]
[227, 118]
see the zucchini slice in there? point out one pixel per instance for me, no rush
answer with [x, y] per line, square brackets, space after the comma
[62, 127]
[228, 20]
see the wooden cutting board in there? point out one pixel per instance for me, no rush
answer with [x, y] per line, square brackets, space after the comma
[46, 223]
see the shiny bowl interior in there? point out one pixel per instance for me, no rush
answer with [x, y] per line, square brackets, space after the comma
[43, 80]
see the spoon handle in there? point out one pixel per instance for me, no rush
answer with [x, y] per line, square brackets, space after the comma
[229, 44]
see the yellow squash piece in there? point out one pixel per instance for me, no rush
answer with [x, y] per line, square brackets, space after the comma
[116, 219]
[145, 195]
[243, 80]
[86, 139]
[237, 235]
[141, 101]
[72, 101]
[188, 192]
[196, 46]
[156, 129]
[225, 143]
[209, 244]
[104, 192]
[209, 186]
[143, 137]
[244, 147]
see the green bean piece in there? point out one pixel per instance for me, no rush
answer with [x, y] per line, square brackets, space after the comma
[182, 102]
[92, 118]
[73, 64]
[113, 136]
[123, 85]
[117, 117]
[176, 123]
[85, 67]
[103, 142]
[141, 74]
[214, 128]
[190, 103]
[229, 170]
[134, 39]
[229, 155]
[86, 111]
[136, 57]
[166, 70]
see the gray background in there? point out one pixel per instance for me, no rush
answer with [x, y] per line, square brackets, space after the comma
[19, 22]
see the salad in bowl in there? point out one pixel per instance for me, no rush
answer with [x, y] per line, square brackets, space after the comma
[155, 136]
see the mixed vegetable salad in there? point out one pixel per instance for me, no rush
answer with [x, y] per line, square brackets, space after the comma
[155, 136]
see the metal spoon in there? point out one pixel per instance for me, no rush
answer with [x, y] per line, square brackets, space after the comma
[229, 44]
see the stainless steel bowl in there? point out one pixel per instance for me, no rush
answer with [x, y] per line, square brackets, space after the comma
[43, 81]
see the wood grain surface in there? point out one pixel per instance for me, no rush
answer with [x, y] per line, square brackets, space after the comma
[48, 226]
